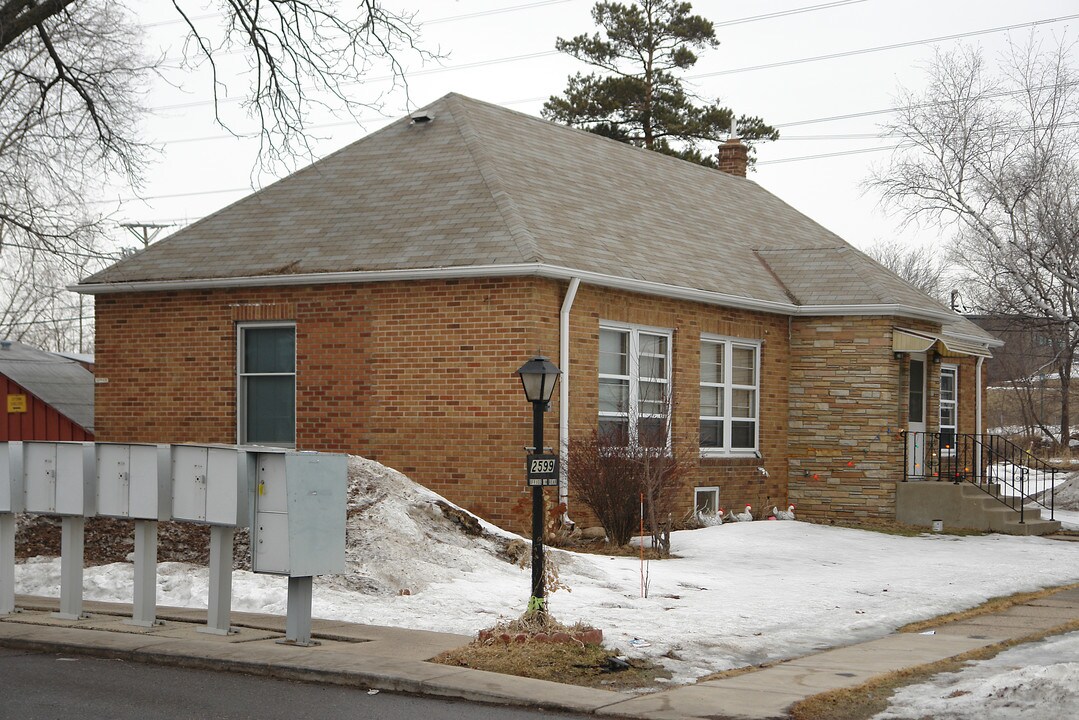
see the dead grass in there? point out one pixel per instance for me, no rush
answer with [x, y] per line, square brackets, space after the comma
[892, 527]
[573, 663]
[992, 605]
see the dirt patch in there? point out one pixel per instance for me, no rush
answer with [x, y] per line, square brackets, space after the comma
[109, 540]
[889, 527]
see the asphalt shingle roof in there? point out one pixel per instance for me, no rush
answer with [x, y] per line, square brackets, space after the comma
[480, 185]
[58, 381]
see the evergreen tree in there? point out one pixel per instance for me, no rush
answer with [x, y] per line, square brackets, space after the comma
[639, 99]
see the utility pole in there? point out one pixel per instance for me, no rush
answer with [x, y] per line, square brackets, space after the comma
[145, 232]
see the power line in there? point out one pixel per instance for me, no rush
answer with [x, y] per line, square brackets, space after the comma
[838, 153]
[52, 321]
[433, 21]
[527, 56]
[881, 48]
[494, 11]
[785, 13]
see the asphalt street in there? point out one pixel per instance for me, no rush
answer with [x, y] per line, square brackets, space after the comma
[47, 686]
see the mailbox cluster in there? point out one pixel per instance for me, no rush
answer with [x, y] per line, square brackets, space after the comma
[296, 499]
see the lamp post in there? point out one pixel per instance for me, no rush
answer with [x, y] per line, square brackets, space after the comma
[539, 377]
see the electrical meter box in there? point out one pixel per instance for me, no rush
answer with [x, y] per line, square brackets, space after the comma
[133, 481]
[59, 478]
[299, 505]
[11, 479]
[209, 485]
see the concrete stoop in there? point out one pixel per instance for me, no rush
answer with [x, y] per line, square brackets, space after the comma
[965, 506]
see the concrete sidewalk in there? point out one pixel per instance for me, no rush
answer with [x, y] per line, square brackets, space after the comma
[393, 659]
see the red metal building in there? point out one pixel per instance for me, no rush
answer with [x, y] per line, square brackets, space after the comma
[44, 396]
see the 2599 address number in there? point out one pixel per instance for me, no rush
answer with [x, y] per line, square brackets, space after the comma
[542, 470]
[542, 466]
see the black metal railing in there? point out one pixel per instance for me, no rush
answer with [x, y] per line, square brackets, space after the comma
[996, 465]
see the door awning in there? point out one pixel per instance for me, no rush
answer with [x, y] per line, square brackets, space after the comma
[909, 341]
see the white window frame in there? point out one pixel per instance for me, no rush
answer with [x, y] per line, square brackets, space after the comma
[241, 385]
[632, 413]
[713, 490]
[728, 344]
[953, 404]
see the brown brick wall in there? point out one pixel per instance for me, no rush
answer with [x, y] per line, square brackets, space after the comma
[419, 376]
[737, 478]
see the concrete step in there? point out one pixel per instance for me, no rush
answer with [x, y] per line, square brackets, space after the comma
[1030, 527]
[965, 506]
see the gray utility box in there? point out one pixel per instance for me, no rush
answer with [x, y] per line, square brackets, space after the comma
[12, 497]
[299, 505]
[133, 481]
[209, 485]
[59, 478]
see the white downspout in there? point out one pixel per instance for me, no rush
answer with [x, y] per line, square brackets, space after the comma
[978, 416]
[563, 399]
[978, 399]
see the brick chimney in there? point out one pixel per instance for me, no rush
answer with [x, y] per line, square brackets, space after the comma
[733, 157]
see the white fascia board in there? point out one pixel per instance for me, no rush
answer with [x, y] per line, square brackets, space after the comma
[976, 339]
[543, 270]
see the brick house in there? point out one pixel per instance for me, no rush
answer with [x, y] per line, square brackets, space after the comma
[379, 301]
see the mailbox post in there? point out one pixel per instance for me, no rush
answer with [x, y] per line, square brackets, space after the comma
[298, 506]
[132, 483]
[11, 502]
[209, 486]
[59, 480]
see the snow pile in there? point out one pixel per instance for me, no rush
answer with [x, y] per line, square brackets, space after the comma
[735, 595]
[1067, 493]
[402, 537]
[1031, 681]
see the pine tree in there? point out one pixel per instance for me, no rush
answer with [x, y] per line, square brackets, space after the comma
[639, 99]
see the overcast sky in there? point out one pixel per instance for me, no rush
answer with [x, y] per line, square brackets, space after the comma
[824, 71]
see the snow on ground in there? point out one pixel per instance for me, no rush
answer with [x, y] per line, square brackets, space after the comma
[1069, 519]
[736, 595]
[1031, 481]
[1029, 682]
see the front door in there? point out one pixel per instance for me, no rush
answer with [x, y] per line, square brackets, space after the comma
[916, 416]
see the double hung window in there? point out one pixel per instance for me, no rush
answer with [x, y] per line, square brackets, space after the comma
[267, 384]
[730, 388]
[634, 386]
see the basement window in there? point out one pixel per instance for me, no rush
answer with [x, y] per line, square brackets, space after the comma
[267, 384]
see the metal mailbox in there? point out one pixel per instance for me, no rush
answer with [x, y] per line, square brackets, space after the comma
[11, 479]
[59, 478]
[209, 485]
[133, 481]
[299, 506]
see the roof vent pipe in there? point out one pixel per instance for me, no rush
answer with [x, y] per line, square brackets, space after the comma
[422, 118]
[5, 344]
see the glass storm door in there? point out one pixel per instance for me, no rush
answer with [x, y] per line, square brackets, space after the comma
[916, 415]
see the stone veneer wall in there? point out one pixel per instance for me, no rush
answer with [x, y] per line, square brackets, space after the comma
[847, 408]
